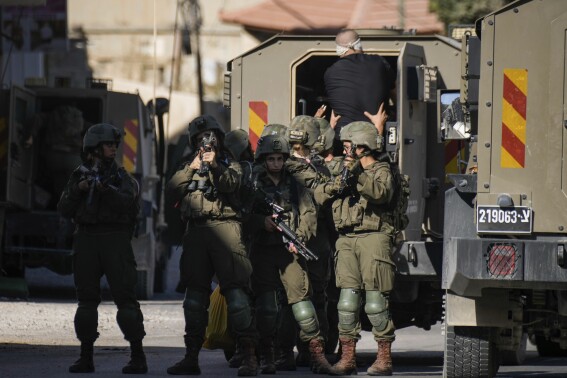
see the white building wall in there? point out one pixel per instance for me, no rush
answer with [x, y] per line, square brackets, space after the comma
[121, 47]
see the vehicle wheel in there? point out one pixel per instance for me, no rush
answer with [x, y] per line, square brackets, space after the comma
[515, 357]
[145, 285]
[469, 352]
[548, 348]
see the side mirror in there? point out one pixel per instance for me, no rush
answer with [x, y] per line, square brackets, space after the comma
[452, 120]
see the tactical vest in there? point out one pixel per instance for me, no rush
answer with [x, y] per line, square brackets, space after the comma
[353, 213]
[203, 201]
[285, 195]
[99, 211]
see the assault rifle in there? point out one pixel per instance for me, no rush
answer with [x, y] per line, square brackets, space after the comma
[208, 144]
[288, 234]
[345, 173]
[94, 179]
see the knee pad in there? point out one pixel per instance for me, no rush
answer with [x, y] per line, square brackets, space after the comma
[86, 322]
[195, 306]
[348, 308]
[304, 314]
[239, 311]
[377, 310]
[131, 322]
[266, 313]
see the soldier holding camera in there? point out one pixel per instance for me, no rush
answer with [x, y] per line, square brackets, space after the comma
[206, 189]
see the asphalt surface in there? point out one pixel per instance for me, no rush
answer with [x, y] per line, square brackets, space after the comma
[37, 338]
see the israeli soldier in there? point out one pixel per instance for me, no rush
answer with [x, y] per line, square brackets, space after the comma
[310, 170]
[364, 248]
[324, 147]
[100, 198]
[286, 327]
[272, 262]
[237, 142]
[207, 189]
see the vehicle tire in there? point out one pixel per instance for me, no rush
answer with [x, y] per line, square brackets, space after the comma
[515, 357]
[469, 352]
[548, 348]
[145, 285]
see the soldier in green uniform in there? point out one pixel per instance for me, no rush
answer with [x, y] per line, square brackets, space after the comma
[286, 326]
[207, 189]
[271, 257]
[101, 198]
[308, 168]
[237, 143]
[364, 247]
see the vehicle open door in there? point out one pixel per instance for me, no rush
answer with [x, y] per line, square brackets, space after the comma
[417, 84]
[21, 164]
[126, 111]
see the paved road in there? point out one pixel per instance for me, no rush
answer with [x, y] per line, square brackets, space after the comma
[37, 339]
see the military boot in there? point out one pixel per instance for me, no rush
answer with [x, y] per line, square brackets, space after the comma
[319, 363]
[85, 362]
[236, 359]
[249, 365]
[137, 363]
[383, 364]
[347, 364]
[267, 363]
[190, 364]
[285, 360]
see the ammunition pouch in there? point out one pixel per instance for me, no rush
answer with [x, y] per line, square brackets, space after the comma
[356, 214]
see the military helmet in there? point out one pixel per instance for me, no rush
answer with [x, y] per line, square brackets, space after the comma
[272, 144]
[101, 133]
[327, 134]
[236, 141]
[361, 133]
[274, 129]
[204, 123]
[271, 129]
[303, 129]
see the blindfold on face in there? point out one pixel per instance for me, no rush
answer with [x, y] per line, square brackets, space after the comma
[355, 45]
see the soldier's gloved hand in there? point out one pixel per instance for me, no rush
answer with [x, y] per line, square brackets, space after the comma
[269, 224]
[333, 187]
[355, 168]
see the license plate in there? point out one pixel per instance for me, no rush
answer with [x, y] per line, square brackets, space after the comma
[509, 220]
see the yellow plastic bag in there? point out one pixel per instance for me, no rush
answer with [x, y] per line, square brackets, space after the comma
[217, 335]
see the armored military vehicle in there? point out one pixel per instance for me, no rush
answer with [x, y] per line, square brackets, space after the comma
[484, 251]
[35, 123]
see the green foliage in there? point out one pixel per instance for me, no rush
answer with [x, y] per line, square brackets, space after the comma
[464, 11]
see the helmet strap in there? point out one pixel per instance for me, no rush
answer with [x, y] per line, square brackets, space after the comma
[356, 156]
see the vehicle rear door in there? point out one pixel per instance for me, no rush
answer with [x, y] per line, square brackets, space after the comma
[21, 163]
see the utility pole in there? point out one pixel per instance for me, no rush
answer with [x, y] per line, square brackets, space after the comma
[191, 12]
[402, 13]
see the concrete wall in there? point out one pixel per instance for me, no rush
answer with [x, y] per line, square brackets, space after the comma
[121, 47]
